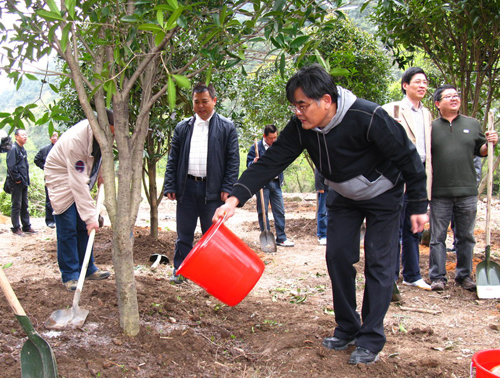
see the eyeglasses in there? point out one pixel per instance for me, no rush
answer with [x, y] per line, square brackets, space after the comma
[451, 97]
[420, 82]
[299, 108]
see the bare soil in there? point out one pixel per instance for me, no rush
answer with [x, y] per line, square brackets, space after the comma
[276, 331]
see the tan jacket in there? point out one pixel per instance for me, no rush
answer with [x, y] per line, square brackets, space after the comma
[406, 117]
[67, 171]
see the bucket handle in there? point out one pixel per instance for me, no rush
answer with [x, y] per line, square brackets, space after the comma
[216, 226]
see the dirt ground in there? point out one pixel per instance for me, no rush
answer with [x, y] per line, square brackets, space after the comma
[276, 331]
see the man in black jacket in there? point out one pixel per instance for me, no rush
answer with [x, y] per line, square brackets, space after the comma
[202, 168]
[40, 158]
[18, 171]
[366, 158]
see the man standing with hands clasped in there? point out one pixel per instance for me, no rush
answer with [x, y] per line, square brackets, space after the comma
[416, 120]
[202, 168]
[366, 158]
[456, 139]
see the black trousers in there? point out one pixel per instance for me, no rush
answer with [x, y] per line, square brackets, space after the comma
[19, 208]
[345, 218]
[49, 216]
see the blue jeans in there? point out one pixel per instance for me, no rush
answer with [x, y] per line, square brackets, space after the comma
[191, 206]
[272, 192]
[409, 243]
[322, 215]
[72, 239]
[464, 211]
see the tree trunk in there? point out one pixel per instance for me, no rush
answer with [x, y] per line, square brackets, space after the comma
[153, 199]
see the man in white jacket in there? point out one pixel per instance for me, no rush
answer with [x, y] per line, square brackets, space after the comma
[71, 169]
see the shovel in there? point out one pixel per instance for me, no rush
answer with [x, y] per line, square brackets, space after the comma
[37, 357]
[76, 316]
[267, 241]
[488, 272]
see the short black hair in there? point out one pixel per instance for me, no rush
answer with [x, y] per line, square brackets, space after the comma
[314, 81]
[17, 131]
[202, 87]
[439, 92]
[408, 75]
[270, 129]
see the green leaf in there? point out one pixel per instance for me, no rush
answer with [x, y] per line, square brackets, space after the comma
[65, 37]
[3, 115]
[159, 17]
[31, 77]
[54, 88]
[171, 93]
[299, 41]
[70, 5]
[159, 38]
[339, 72]
[282, 65]
[183, 81]
[131, 18]
[49, 16]
[209, 75]
[52, 5]
[150, 27]
[8, 265]
[172, 20]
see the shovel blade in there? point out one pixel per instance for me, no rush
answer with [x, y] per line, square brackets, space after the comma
[37, 359]
[267, 242]
[67, 317]
[488, 280]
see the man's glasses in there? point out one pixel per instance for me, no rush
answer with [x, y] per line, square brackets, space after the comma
[451, 97]
[420, 82]
[299, 108]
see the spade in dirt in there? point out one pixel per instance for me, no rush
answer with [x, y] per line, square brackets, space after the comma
[37, 357]
[267, 241]
[76, 316]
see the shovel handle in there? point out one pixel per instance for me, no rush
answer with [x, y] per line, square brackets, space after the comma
[10, 295]
[489, 187]
[88, 251]
[262, 203]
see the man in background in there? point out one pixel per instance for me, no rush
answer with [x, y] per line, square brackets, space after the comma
[456, 139]
[40, 158]
[18, 172]
[272, 190]
[416, 120]
[202, 168]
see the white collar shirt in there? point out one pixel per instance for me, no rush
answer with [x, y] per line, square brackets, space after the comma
[418, 123]
[198, 152]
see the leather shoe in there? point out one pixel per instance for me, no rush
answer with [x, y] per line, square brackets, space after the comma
[99, 275]
[18, 232]
[438, 285]
[467, 283]
[363, 356]
[337, 344]
[30, 231]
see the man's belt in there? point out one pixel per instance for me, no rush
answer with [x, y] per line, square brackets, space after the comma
[197, 178]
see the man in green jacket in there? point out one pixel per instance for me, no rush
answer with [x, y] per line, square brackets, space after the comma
[456, 139]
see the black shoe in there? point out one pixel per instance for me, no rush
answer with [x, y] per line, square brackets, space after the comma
[363, 356]
[336, 343]
[18, 232]
[51, 225]
[467, 283]
[30, 231]
[438, 285]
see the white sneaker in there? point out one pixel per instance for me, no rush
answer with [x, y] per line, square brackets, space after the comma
[322, 241]
[286, 243]
[421, 284]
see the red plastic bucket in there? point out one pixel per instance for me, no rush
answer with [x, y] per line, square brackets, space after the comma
[484, 361]
[222, 265]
